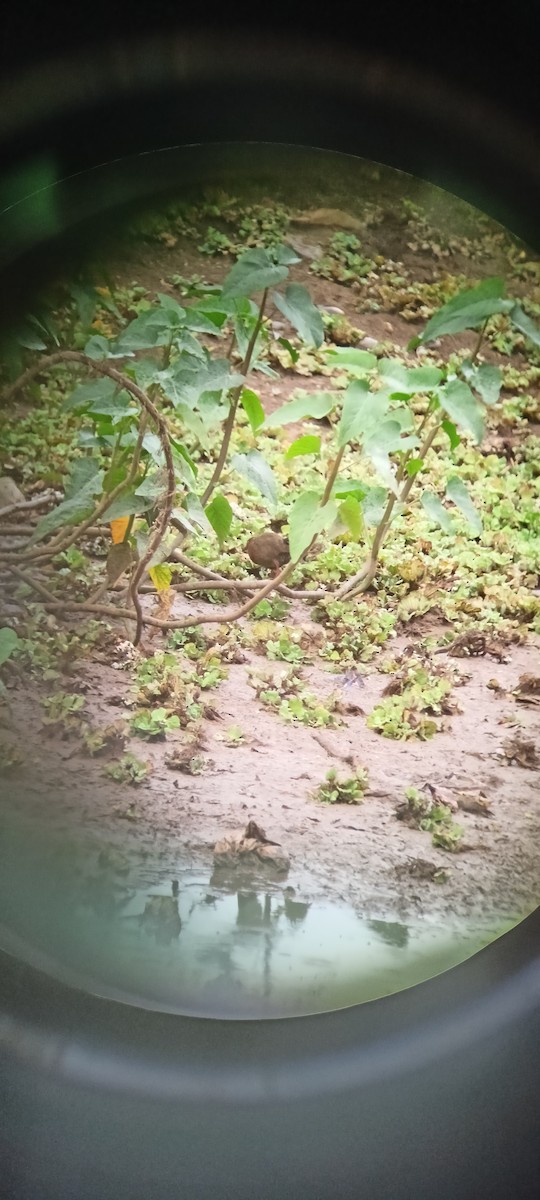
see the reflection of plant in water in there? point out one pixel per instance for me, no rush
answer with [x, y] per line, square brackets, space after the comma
[391, 932]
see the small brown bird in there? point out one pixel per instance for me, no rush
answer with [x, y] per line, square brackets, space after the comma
[269, 550]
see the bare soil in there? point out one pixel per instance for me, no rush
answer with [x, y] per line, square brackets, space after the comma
[361, 854]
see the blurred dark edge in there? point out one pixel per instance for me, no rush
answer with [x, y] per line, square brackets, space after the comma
[130, 98]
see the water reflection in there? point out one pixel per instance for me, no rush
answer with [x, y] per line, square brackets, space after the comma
[227, 945]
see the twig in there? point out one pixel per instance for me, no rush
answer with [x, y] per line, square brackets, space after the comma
[26, 505]
[32, 583]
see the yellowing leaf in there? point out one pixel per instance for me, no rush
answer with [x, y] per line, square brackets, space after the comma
[161, 576]
[118, 529]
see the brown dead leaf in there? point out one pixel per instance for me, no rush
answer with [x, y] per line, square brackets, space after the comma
[472, 801]
[521, 751]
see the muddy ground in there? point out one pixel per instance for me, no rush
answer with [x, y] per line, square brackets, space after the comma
[360, 854]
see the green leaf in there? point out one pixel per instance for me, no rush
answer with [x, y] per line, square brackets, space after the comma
[486, 379]
[405, 381]
[468, 310]
[386, 440]
[436, 512]
[84, 472]
[350, 513]
[307, 518]
[452, 433]
[299, 309]
[306, 404]
[285, 256]
[463, 408]
[99, 347]
[361, 413]
[8, 644]
[293, 353]
[253, 272]
[414, 466]
[254, 467]
[156, 327]
[72, 510]
[350, 487]
[86, 301]
[309, 444]
[195, 513]
[458, 494]
[128, 504]
[356, 362]
[521, 321]
[101, 396]
[253, 408]
[373, 505]
[220, 515]
[185, 466]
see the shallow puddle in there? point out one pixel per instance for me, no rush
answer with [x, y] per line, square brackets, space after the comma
[251, 951]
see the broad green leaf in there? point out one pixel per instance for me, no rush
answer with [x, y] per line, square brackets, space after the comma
[72, 510]
[414, 466]
[306, 519]
[424, 379]
[309, 444]
[293, 353]
[299, 309]
[184, 463]
[99, 347]
[201, 322]
[485, 379]
[285, 256]
[350, 513]
[253, 408]
[193, 422]
[468, 310]
[253, 272]
[463, 408]
[362, 412]
[8, 643]
[191, 377]
[129, 504]
[306, 404]
[521, 321]
[220, 515]
[436, 512]
[84, 473]
[406, 381]
[356, 362]
[393, 374]
[149, 329]
[350, 487]
[254, 467]
[102, 397]
[458, 494]
[373, 505]
[195, 512]
[452, 433]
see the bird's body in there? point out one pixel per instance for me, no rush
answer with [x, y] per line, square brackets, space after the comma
[268, 550]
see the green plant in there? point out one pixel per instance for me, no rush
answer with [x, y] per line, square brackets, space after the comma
[128, 769]
[63, 709]
[378, 414]
[286, 695]
[338, 789]
[344, 261]
[234, 736]
[155, 724]
[424, 811]
[422, 697]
